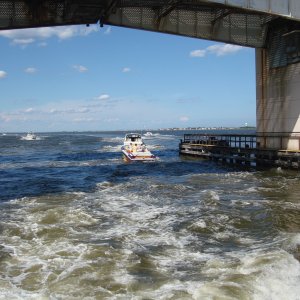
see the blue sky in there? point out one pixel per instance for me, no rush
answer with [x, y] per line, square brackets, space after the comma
[111, 78]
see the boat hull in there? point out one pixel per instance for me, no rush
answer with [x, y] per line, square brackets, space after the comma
[134, 157]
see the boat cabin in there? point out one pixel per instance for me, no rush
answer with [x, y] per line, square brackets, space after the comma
[133, 138]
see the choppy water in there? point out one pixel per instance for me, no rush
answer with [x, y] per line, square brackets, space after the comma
[78, 223]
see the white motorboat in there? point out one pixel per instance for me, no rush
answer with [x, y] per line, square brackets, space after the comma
[134, 149]
[29, 137]
[148, 133]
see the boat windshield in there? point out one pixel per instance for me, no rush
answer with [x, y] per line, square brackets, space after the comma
[133, 137]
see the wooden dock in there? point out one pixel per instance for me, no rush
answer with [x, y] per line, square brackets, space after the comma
[240, 150]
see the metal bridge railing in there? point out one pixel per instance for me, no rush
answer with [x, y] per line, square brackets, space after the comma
[220, 140]
[251, 141]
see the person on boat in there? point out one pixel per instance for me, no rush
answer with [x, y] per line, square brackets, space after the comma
[130, 148]
[134, 147]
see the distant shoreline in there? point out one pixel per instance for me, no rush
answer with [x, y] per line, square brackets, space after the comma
[139, 130]
[207, 128]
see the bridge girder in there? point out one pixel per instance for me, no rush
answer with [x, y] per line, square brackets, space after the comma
[231, 21]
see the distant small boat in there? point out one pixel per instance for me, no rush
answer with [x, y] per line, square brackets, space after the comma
[134, 149]
[148, 133]
[29, 137]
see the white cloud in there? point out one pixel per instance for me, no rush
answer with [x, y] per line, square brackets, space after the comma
[198, 53]
[112, 120]
[67, 112]
[218, 50]
[53, 111]
[29, 110]
[22, 42]
[13, 116]
[3, 74]
[80, 68]
[76, 110]
[30, 70]
[78, 120]
[83, 110]
[126, 70]
[184, 118]
[24, 37]
[221, 50]
[103, 97]
[87, 114]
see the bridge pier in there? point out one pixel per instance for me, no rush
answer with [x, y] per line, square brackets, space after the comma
[278, 91]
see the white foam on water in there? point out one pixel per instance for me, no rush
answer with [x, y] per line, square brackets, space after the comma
[14, 293]
[214, 195]
[165, 136]
[155, 146]
[238, 175]
[278, 276]
[209, 198]
[174, 289]
[294, 241]
[38, 138]
[251, 190]
[90, 244]
[266, 189]
[273, 275]
[104, 185]
[116, 139]
[199, 224]
[109, 148]
[97, 162]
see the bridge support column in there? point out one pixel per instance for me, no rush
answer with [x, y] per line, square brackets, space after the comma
[278, 97]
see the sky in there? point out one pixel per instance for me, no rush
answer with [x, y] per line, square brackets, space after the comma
[78, 78]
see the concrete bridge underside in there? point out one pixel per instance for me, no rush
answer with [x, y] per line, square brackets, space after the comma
[270, 26]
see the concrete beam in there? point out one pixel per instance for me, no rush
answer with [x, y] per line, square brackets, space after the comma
[240, 22]
[288, 8]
